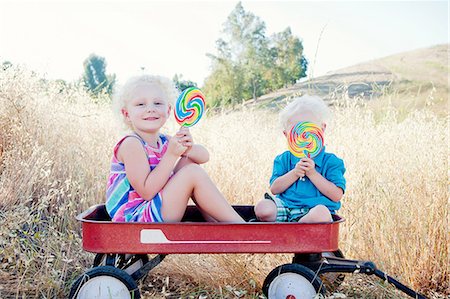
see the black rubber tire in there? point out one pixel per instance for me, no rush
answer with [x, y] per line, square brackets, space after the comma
[105, 271]
[332, 280]
[297, 269]
[121, 262]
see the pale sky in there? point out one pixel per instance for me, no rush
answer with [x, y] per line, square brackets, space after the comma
[168, 37]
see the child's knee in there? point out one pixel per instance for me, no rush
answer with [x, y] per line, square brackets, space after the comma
[321, 209]
[192, 170]
[320, 213]
[266, 210]
[183, 163]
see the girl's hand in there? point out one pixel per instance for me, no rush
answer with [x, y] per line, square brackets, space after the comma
[307, 165]
[175, 146]
[185, 138]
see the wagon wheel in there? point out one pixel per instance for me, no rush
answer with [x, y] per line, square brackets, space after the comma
[292, 281]
[332, 280]
[130, 263]
[104, 282]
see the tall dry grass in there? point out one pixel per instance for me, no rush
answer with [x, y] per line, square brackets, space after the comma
[55, 147]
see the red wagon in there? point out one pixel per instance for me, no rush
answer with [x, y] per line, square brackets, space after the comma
[122, 249]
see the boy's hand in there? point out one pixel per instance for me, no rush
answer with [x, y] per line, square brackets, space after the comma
[299, 172]
[175, 146]
[185, 138]
[307, 165]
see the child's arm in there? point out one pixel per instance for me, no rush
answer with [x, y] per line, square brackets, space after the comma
[325, 187]
[196, 152]
[148, 183]
[280, 184]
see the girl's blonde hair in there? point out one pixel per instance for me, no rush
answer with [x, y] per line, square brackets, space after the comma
[127, 91]
[306, 103]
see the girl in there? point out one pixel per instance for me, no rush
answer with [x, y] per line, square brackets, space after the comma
[153, 175]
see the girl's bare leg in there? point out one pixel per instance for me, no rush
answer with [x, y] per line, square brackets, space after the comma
[205, 215]
[182, 163]
[193, 180]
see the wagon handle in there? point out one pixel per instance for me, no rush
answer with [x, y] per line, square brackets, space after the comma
[336, 264]
[370, 268]
[398, 284]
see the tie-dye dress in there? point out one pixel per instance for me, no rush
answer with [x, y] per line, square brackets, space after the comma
[123, 203]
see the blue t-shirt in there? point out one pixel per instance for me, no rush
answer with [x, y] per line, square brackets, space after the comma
[303, 194]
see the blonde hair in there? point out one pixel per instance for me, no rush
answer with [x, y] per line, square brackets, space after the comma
[127, 91]
[306, 103]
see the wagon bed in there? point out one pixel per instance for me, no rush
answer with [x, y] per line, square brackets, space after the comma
[195, 235]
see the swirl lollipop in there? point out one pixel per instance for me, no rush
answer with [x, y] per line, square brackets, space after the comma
[305, 140]
[189, 107]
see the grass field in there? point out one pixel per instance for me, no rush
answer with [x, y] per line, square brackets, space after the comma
[55, 148]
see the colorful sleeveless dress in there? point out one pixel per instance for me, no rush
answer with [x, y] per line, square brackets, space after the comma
[123, 203]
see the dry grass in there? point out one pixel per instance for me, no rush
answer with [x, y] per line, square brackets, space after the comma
[54, 157]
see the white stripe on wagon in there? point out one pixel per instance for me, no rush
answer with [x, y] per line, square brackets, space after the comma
[156, 236]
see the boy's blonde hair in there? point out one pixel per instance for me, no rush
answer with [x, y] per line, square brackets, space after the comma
[306, 103]
[126, 92]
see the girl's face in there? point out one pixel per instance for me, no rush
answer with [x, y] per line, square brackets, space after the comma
[148, 109]
[303, 116]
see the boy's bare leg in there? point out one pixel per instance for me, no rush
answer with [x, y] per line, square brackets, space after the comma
[266, 210]
[319, 213]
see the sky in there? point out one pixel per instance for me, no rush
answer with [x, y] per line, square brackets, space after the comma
[166, 38]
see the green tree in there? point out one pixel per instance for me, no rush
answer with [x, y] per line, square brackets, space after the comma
[242, 57]
[182, 84]
[289, 62]
[225, 85]
[249, 64]
[95, 78]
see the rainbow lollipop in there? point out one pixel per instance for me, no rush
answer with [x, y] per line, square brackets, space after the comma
[189, 107]
[305, 140]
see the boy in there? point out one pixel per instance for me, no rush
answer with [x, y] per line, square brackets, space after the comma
[307, 190]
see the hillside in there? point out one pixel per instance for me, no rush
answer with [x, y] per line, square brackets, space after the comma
[415, 72]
